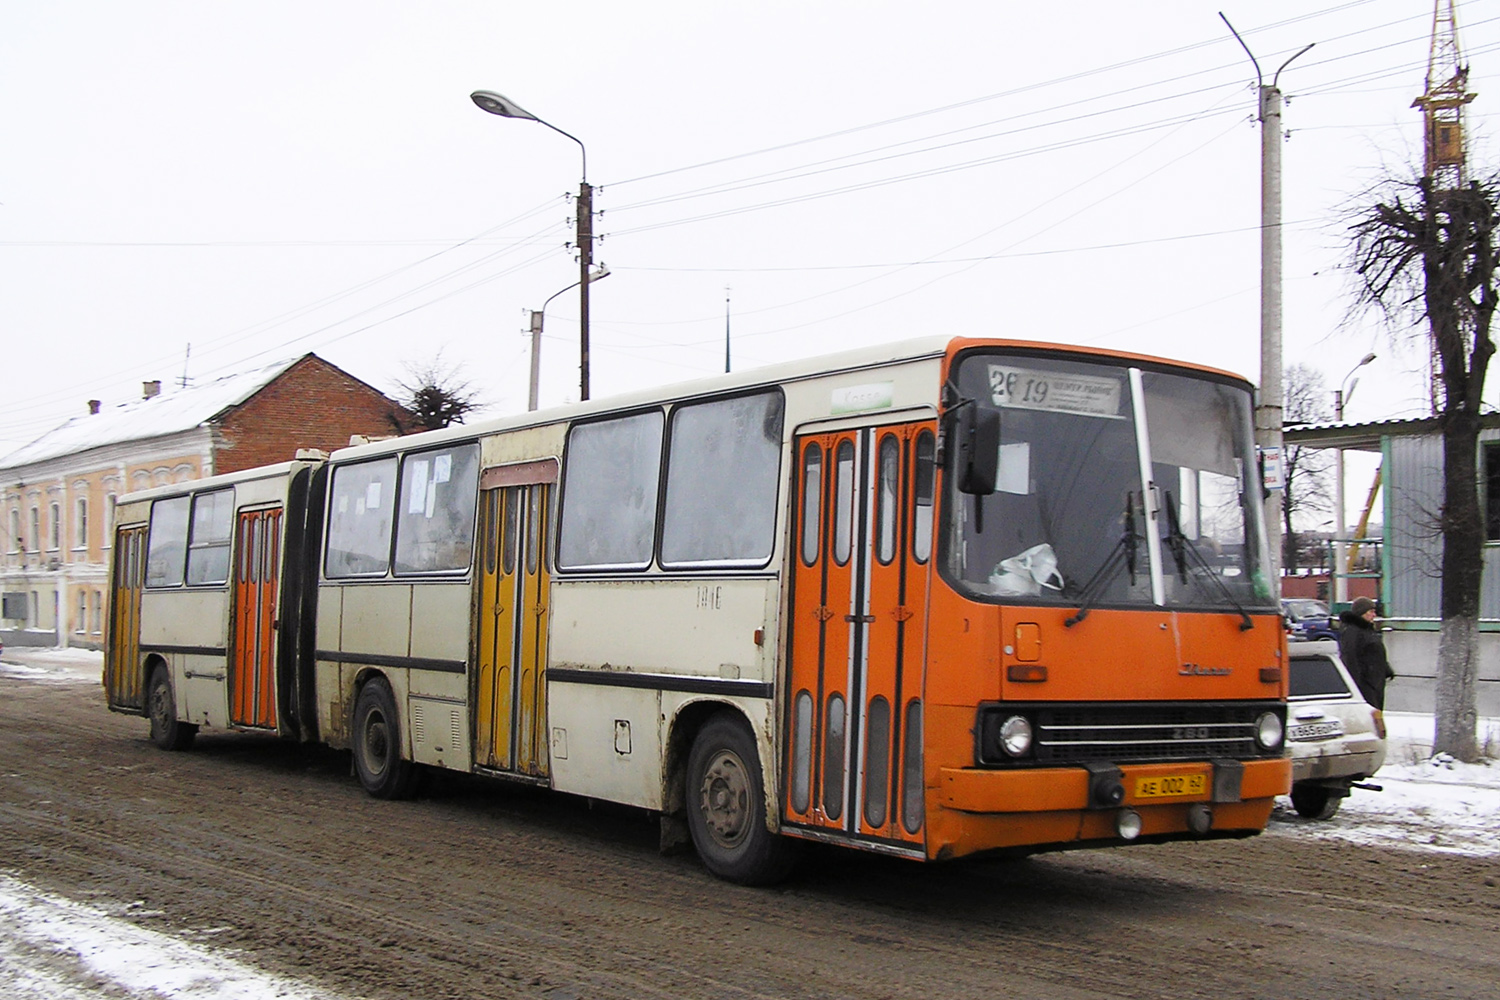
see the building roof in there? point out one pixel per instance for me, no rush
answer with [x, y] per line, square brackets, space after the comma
[168, 413]
[1367, 436]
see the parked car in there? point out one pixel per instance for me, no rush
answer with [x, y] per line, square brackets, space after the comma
[1336, 738]
[1308, 619]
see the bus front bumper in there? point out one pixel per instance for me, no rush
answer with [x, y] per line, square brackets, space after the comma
[988, 809]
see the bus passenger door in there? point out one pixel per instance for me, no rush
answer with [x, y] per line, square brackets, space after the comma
[122, 661]
[511, 690]
[857, 631]
[252, 682]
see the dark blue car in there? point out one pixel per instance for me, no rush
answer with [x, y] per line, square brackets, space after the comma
[1308, 619]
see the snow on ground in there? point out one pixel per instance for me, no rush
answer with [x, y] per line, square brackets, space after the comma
[57, 949]
[1426, 804]
[60, 950]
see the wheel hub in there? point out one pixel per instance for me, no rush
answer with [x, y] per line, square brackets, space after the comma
[725, 796]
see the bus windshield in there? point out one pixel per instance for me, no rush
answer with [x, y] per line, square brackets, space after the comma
[1116, 486]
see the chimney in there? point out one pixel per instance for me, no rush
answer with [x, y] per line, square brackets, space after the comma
[94, 405]
[150, 389]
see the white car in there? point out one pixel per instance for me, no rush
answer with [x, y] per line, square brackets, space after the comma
[1336, 738]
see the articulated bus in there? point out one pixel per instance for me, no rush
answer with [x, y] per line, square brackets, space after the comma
[934, 599]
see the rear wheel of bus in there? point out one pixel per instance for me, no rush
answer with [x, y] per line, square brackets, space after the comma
[726, 805]
[167, 731]
[377, 744]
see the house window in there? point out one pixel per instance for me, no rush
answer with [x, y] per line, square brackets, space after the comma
[81, 523]
[34, 538]
[96, 612]
[1491, 474]
[15, 530]
[80, 622]
[109, 521]
[54, 527]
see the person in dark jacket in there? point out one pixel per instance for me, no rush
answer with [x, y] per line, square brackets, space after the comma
[1363, 651]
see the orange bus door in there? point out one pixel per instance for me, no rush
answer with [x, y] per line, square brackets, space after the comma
[252, 684]
[857, 628]
[122, 662]
[511, 689]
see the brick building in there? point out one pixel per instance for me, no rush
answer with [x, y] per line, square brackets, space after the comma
[57, 493]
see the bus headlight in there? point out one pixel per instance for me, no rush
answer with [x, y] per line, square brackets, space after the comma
[1269, 731]
[1015, 736]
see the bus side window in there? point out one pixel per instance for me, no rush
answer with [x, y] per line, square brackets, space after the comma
[435, 525]
[887, 505]
[812, 508]
[166, 550]
[360, 518]
[611, 475]
[723, 472]
[843, 502]
[921, 530]
[208, 548]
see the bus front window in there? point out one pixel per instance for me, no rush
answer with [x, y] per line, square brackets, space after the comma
[1066, 515]
[1203, 463]
[1068, 521]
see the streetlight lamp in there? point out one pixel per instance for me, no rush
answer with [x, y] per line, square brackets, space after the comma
[1341, 397]
[499, 104]
[537, 317]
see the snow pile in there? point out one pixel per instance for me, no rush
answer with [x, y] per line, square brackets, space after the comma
[55, 948]
[1427, 803]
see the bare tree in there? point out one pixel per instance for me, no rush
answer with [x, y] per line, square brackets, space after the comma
[1425, 256]
[435, 395]
[1306, 492]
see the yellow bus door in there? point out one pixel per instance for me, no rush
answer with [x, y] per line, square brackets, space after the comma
[122, 670]
[857, 630]
[252, 685]
[511, 689]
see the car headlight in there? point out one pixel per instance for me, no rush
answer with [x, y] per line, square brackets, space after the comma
[1015, 736]
[1269, 731]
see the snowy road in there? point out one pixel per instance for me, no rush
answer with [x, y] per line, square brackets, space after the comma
[251, 869]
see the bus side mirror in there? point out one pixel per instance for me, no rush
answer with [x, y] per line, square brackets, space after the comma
[976, 449]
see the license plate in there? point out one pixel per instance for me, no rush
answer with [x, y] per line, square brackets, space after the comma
[1315, 730]
[1170, 785]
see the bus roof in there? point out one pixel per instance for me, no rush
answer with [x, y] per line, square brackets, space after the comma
[873, 356]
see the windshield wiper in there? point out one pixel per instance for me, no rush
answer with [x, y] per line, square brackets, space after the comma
[1181, 545]
[1122, 553]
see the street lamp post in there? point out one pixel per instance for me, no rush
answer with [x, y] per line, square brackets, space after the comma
[499, 104]
[538, 316]
[1341, 397]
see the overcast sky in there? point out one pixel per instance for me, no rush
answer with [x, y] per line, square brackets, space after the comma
[264, 179]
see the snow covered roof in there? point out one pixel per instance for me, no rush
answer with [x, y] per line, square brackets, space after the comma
[168, 413]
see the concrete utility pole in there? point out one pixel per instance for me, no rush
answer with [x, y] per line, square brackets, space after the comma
[1268, 414]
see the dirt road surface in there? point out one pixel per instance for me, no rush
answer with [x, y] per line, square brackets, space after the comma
[481, 889]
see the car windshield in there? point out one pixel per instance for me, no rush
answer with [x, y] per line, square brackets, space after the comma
[1305, 608]
[1092, 505]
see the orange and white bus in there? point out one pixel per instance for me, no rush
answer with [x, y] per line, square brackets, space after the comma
[931, 599]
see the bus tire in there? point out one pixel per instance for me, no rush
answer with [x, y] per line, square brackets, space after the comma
[726, 807]
[167, 731]
[377, 744]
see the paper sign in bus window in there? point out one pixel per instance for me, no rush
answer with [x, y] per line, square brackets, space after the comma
[1057, 392]
[416, 475]
[1014, 473]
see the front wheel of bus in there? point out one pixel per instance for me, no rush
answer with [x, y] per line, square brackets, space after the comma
[726, 806]
[167, 731]
[377, 744]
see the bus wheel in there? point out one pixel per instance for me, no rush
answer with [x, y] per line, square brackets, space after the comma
[377, 744]
[167, 731]
[727, 807]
